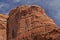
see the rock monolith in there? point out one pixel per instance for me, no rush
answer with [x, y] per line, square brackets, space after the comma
[31, 23]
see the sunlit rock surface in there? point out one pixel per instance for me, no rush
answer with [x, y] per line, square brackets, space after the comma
[3, 23]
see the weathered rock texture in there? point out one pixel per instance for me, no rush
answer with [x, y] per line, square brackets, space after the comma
[31, 23]
[3, 21]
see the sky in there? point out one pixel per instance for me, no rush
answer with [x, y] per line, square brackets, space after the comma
[52, 7]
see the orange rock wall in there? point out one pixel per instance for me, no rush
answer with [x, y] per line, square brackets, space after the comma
[31, 23]
[28, 23]
[3, 25]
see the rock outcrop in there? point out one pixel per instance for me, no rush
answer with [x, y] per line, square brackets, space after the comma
[31, 23]
[3, 23]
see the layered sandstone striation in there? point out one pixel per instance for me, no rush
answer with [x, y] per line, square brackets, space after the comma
[31, 23]
[3, 23]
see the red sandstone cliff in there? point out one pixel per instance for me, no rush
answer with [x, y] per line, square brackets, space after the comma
[31, 23]
[28, 23]
[3, 23]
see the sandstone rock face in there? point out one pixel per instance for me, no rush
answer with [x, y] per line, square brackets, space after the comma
[3, 21]
[31, 23]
